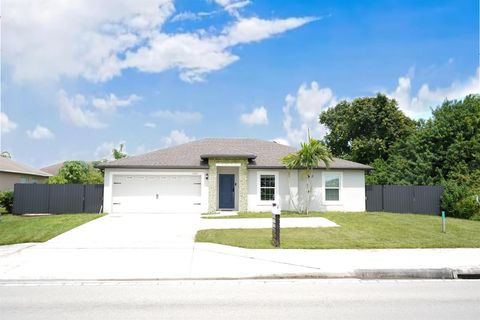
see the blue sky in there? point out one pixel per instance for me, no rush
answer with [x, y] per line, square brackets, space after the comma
[79, 78]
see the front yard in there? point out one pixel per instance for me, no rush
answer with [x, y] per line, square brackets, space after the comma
[20, 229]
[360, 230]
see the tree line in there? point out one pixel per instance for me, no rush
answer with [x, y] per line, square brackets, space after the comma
[442, 150]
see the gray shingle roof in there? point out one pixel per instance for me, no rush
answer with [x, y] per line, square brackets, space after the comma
[8, 165]
[53, 169]
[189, 155]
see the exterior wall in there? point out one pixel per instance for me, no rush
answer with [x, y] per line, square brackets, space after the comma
[285, 195]
[214, 167]
[291, 191]
[352, 191]
[291, 187]
[8, 180]
[108, 182]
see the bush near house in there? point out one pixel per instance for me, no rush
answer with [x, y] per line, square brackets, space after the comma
[6, 201]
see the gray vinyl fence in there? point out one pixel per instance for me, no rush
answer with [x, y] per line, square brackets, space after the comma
[57, 198]
[404, 199]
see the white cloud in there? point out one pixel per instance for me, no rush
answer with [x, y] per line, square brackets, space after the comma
[419, 104]
[150, 125]
[97, 40]
[49, 39]
[233, 6]
[257, 116]
[192, 16]
[179, 116]
[40, 133]
[72, 110]
[111, 102]
[183, 16]
[304, 109]
[6, 125]
[176, 137]
[247, 30]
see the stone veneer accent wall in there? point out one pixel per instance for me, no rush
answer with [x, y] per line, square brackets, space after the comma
[242, 183]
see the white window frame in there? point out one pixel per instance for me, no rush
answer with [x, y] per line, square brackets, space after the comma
[277, 182]
[326, 174]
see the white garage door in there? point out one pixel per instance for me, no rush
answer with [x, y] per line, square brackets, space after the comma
[156, 193]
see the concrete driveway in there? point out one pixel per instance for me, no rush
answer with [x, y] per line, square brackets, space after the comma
[111, 247]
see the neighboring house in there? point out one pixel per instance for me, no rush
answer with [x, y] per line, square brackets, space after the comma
[226, 174]
[54, 169]
[12, 172]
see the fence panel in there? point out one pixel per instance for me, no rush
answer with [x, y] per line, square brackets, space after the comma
[404, 199]
[398, 199]
[30, 198]
[427, 199]
[57, 198]
[66, 198]
[374, 198]
[93, 197]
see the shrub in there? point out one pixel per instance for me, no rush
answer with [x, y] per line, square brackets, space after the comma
[6, 200]
[459, 201]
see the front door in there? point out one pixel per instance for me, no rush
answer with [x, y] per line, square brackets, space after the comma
[226, 196]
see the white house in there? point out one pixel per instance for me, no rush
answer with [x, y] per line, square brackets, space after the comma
[227, 174]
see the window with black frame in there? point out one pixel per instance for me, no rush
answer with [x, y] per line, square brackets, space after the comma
[267, 187]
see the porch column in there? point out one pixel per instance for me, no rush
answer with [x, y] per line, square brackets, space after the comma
[243, 186]
[212, 186]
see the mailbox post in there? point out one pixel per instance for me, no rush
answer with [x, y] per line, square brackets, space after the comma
[276, 225]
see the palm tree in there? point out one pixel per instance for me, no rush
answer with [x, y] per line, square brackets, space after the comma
[310, 156]
[118, 153]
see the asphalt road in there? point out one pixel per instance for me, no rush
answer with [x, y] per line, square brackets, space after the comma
[274, 299]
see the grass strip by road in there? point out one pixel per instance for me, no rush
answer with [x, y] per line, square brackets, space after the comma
[21, 229]
[365, 230]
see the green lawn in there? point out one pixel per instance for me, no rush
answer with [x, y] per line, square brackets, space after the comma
[18, 229]
[357, 230]
[245, 215]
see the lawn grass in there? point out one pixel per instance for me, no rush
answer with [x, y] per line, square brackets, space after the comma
[246, 215]
[358, 231]
[20, 229]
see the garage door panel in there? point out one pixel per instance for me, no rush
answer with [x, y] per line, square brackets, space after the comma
[159, 193]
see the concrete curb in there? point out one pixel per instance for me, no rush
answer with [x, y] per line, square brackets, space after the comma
[360, 274]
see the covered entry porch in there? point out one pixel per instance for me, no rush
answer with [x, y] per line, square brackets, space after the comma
[227, 185]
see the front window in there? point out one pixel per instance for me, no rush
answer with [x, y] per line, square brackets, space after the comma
[267, 187]
[332, 188]
[23, 179]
